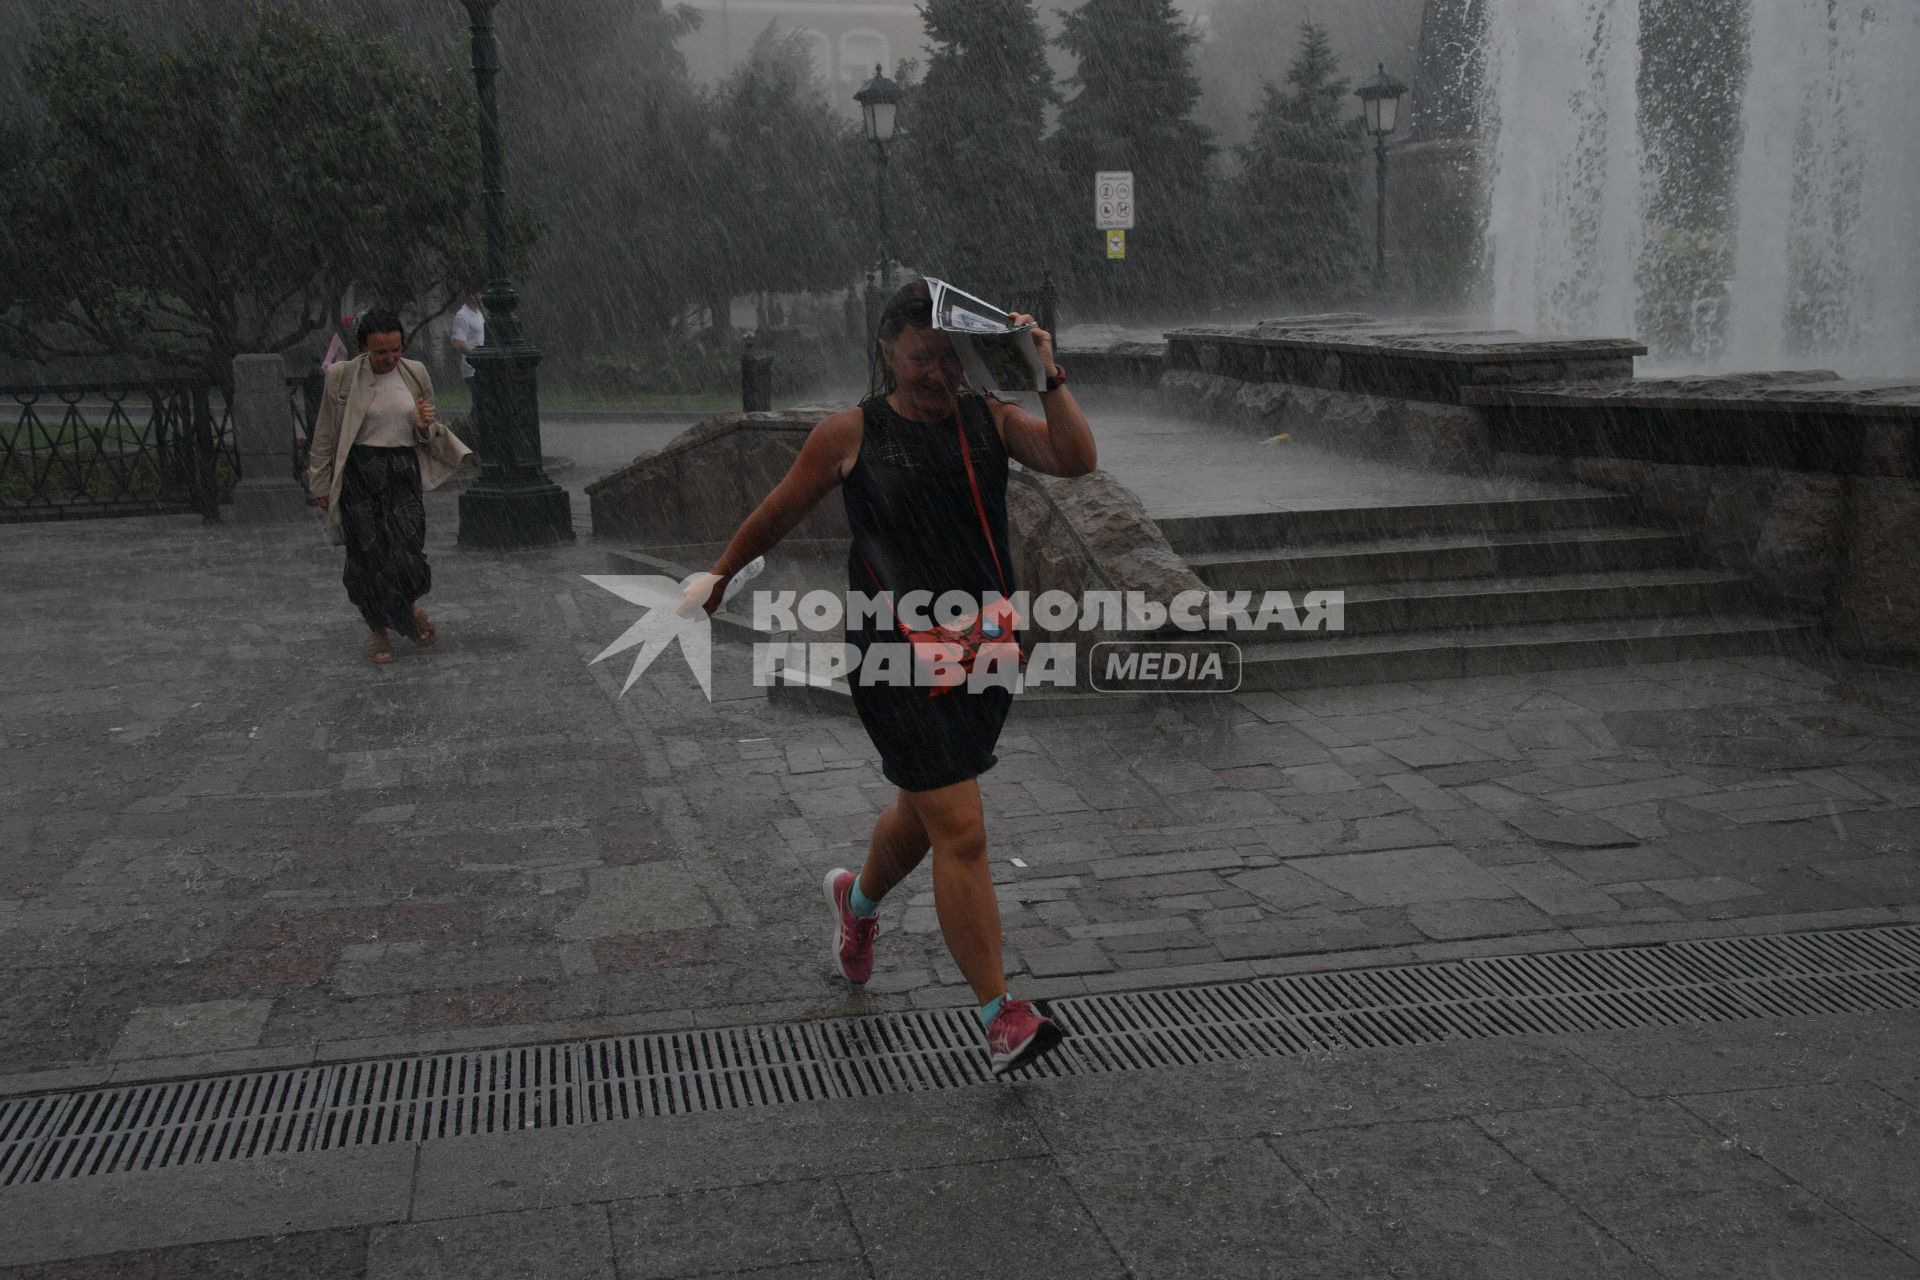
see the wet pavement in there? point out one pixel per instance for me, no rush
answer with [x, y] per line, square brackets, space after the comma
[231, 842]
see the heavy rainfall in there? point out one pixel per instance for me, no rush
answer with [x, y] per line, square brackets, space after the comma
[1120, 638]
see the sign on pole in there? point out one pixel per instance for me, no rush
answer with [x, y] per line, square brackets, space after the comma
[1113, 200]
[1116, 244]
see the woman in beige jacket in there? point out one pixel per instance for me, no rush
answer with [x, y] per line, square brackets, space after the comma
[377, 446]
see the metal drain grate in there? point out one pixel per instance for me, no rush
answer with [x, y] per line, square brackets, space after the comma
[53, 1137]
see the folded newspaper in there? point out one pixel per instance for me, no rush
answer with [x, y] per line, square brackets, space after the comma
[997, 354]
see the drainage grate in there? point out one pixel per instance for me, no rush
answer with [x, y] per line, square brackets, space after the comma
[54, 1137]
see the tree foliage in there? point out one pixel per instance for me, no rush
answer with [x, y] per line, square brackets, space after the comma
[1137, 91]
[1298, 179]
[603, 130]
[778, 181]
[184, 201]
[982, 197]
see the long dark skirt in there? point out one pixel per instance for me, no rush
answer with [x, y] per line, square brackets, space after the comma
[385, 520]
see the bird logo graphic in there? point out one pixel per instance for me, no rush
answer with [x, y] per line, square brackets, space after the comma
[659, 627]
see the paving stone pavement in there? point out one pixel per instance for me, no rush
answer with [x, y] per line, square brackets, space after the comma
[1759, 1149]
[230, 839]
[229, 842]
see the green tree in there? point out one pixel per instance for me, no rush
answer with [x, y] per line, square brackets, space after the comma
[981, 198]
[185, 201]
[1134, 111]
[1297, 179]
[603, 132]
[777, 185]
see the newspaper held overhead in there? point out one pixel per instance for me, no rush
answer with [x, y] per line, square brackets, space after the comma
[997, 354]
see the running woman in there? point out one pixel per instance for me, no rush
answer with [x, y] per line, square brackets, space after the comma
[922, 467]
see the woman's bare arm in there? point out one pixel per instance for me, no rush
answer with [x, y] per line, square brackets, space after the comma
[824, 461]
[1061, 444]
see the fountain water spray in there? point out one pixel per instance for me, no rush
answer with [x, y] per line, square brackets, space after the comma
[1567, 206]
[1828, 258]
[1827, 198]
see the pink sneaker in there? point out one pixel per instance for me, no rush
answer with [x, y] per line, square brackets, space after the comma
[852, 936]
[1018, 1036]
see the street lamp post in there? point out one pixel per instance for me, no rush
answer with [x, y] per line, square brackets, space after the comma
[513, 503]
[1382, 96]
[879, 101]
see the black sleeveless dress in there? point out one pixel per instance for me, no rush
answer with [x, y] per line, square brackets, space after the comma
[913, 520]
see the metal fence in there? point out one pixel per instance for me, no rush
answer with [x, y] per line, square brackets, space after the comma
[116, 448]
[303, 406]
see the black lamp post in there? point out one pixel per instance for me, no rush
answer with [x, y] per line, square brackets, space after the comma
[513, 503]
[1382, 96]
[879, 103]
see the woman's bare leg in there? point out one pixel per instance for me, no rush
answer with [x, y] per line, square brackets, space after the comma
[898, 845]
[963, 896]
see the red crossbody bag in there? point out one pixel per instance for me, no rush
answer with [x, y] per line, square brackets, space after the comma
[946, 654]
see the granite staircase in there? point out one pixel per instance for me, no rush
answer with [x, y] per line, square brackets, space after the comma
[1480, 588]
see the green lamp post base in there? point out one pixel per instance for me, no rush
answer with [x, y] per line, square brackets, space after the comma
[498, 517]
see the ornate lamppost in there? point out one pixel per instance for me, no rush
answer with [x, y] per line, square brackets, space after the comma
[1382, 96]
[879, 101]
[513, 503]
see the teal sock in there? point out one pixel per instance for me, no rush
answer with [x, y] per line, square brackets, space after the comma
[861, 905]
[991, 1010]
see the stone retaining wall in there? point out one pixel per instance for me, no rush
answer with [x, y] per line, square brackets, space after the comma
[1808, 484]
[1416, 433]
[1122, 364]
[1844, 546]
[1352, 385]
[700, 487]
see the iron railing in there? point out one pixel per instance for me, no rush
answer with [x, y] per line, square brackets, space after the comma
[116, 448]
[303, 407]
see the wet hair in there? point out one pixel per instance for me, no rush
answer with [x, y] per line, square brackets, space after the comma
[911, 307]
[379, 320]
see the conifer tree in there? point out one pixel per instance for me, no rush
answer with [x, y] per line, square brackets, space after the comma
[1137, 91]
[774, 182]
[980, 198]
[1298, 180]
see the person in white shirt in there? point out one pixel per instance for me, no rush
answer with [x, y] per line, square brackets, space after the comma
[469, 331]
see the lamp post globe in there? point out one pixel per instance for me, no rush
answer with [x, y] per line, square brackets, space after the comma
[879, 101]
[1381, 98]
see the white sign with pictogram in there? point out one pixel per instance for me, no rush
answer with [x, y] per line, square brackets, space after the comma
[1113, 200]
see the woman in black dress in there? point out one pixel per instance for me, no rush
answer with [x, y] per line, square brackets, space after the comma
[922, 465]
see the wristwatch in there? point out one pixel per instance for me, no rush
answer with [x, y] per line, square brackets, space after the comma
[1057, 379]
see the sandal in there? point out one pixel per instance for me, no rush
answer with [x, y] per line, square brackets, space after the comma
[379, 648]
[424, 632]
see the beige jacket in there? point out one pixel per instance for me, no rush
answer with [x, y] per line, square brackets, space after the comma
[343, 410]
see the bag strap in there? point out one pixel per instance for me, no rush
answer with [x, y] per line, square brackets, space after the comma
[966, 458]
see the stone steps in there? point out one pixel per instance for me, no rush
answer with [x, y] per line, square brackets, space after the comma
[1490, 602]
[1541, 646]
[1475, 588]
[1446, 590]
[1267, 530]
[1443, 557]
